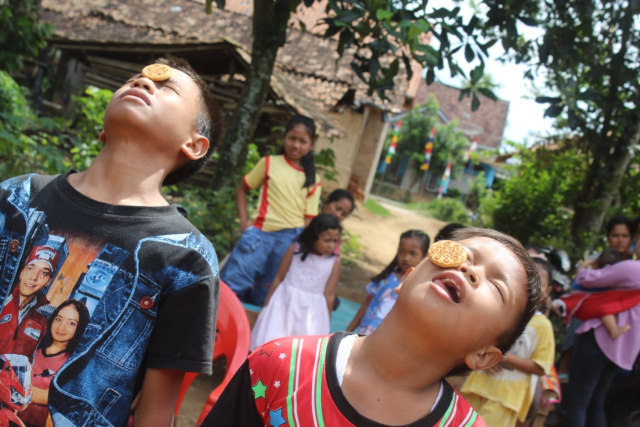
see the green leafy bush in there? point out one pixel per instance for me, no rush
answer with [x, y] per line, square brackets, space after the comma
[88, 123]
[27, 143]
[532, 204]
[450, 210]
[351, 247]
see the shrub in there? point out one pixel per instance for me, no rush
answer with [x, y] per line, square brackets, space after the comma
[450, 210]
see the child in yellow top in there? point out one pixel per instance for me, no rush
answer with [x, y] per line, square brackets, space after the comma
[289, 198]
[504, 394]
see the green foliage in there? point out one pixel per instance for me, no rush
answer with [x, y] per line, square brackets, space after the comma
[449, 210]
[477, 191]
[325, 164]
[376, 208]
[27, 143]
[351, 247]
[21, 34]
[214, 212]
[88, 124]
[449, 145]
[533, 204]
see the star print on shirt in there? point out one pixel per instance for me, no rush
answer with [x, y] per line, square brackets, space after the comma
[276, 384]
[275, 418]
[282, 356]
[259, 390]
[268, 348]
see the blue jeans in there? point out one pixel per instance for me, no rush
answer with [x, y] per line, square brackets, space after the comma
[590, 376]
[254, 262]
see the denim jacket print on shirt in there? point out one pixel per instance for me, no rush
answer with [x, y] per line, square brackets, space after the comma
[95, 386]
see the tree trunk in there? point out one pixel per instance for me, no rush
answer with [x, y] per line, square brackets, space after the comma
[600, 188]
[270, 20]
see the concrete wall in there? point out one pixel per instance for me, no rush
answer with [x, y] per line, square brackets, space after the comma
[357, 153]
[345, 148]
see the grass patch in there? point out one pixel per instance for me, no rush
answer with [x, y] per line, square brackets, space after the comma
[351, 247]
[376, 208]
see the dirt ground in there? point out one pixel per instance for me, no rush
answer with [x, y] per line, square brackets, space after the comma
[379, 239]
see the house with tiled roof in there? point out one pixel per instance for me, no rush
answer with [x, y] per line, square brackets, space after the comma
[104, 41]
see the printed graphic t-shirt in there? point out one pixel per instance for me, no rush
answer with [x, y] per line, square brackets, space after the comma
[147, 278]
[293, 381]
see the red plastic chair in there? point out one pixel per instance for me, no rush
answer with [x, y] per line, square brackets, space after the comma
[233, 337]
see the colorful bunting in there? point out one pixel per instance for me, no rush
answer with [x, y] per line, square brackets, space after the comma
[428, 148]
[444, 181]
[394, 142]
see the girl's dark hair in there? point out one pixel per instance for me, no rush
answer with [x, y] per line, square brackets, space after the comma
[620, 220]
[307, 161]
[340, 194]
[416, 234]
[310, 234]
[83, 320]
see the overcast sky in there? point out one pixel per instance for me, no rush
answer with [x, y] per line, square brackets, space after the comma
[526, 116]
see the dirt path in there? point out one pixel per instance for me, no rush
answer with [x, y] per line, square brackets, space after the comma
[379, 238]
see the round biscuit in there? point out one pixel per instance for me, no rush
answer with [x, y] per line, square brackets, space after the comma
[447, 254]
[157, 72]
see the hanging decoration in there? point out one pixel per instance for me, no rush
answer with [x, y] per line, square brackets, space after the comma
[472, 147]
[428, 148]
[444, 181]
[394, 142]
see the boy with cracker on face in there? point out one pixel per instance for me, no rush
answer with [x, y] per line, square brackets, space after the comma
[148, 278]
[461, 308]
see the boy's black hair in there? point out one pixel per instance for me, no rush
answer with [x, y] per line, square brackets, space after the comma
[620, 220]
[208, 122]
[424, 245]
[609, 256]
[310, 234]
[446, 232]
[83, 321]
[339, 194]
[307, 161]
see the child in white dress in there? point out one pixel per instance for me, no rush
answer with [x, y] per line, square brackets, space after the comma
[302, 294]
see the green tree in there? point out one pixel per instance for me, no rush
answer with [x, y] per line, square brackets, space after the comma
[21, 34]
[533, 204]
[379, 36]
[450, 143]
[589, 57]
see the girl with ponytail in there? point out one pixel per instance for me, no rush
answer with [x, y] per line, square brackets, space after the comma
[289, 199]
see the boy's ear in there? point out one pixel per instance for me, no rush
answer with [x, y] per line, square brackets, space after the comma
[102, 136]
[196, 147]
[484, 358]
